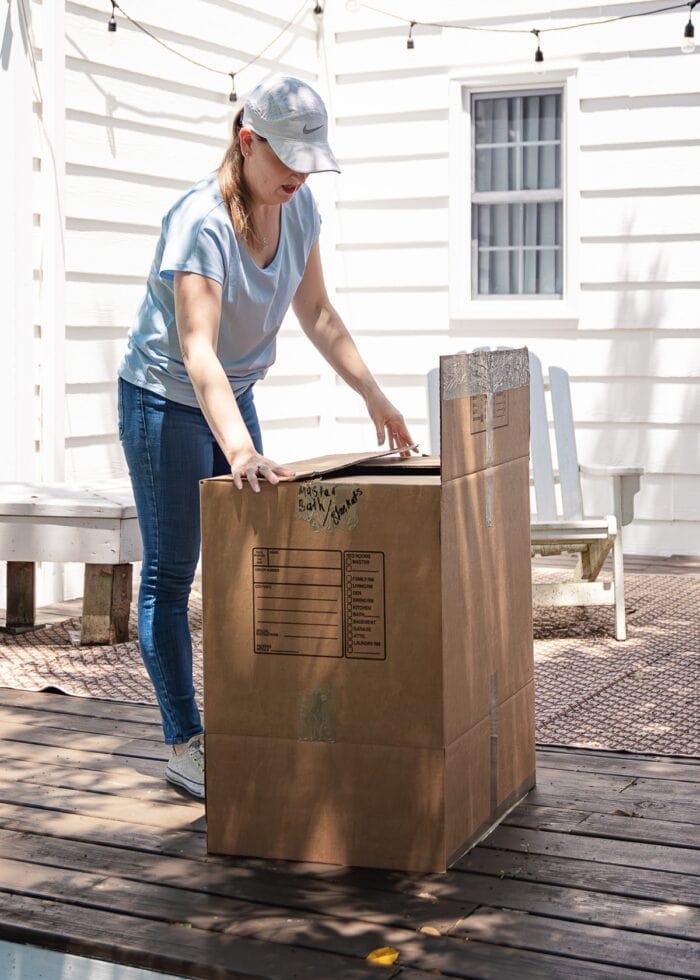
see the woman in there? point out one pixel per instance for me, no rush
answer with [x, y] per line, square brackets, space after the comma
[234, 252]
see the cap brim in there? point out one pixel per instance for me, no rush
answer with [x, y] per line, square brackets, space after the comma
[306, 158]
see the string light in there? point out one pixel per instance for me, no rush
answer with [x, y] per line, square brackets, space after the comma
[410, 43]
[688, 45]
[112, 26]
[538, 54]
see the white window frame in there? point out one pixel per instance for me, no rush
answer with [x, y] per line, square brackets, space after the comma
[462, 304]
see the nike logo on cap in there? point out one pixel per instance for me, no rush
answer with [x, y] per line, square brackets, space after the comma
[311, 129]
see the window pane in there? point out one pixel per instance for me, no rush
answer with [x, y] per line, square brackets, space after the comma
[496, 169]
[499, 225]
[529, 271]
[549, 231]
[532, 226]
[500, 215]
[483, 121]
[519, 249]
[531, 168]
[500, 280]
[497, 120]
[501, 109]
[547, 270]
[531, 118]
[517, 122]
[517, 150]
[541, 169]
[550, 116]
[548, 166]
[542, 271]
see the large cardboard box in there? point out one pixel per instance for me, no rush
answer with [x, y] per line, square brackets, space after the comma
[368, 660]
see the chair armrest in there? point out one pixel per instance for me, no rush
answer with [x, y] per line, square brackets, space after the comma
[625, 485]
[611, 470]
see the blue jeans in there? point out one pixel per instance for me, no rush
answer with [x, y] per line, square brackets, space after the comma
[169, 448]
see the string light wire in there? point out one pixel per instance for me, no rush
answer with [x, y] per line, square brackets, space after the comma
[199, 64]
[318, 10]
[521, 30]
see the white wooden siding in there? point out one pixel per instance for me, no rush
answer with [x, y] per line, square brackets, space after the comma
[141, 126]
[633, 352]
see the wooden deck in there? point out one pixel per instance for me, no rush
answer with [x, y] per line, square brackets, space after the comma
[595, 875]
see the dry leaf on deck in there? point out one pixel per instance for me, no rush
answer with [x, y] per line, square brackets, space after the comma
[384, 956]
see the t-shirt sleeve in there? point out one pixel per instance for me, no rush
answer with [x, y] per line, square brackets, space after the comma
[316, 222]
[195, 247]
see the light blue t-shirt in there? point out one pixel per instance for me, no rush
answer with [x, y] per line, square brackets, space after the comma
[197, 236]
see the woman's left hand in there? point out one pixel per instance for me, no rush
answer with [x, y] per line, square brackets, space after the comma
[389, 421]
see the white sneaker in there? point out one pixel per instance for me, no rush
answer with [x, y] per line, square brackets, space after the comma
[187, 769]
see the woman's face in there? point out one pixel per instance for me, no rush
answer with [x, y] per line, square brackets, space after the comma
[270, 181]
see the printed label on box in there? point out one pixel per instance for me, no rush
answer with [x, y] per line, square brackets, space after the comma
[319, 603]
[479, 411]
[364, 605]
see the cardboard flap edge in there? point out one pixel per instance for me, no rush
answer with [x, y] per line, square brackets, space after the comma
[468, 375]
[318, 466]
[308, 469]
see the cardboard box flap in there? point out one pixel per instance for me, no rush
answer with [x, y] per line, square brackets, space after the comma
[423, 465]
[484, 410]
[308, 469]
[386, 461]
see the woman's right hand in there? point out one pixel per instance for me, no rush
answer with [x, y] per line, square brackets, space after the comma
[251, 466]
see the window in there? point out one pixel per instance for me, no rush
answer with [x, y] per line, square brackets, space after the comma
[516, 200]
[513, 205]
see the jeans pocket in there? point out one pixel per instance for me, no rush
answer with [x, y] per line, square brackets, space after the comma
[120, 408]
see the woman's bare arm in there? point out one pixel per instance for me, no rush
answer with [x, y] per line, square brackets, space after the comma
[324, 327]
[198, 314]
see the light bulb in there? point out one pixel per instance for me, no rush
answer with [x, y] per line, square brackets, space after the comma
[409, 43]
[688, 45]
[539, 57]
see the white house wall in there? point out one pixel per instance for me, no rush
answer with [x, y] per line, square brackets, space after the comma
[140, 125]
[632, 351]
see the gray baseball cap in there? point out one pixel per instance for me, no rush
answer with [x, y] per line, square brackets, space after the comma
[291, 116]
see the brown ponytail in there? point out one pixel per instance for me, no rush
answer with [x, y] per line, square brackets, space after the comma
[234, 189]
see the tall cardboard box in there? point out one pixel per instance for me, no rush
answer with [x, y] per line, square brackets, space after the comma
[368, 659]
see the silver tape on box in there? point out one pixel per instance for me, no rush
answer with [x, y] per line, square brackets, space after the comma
[484, 371]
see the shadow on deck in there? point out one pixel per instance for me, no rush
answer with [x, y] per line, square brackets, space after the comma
[594, 875]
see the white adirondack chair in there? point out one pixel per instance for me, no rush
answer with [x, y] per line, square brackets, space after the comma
[562, 527]
[558, 523]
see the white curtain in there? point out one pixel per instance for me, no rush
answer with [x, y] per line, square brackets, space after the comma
[518, 148]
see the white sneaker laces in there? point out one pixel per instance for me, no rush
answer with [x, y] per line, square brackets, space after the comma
[195, 749]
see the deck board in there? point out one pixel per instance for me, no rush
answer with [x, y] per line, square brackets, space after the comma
[596, 874]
